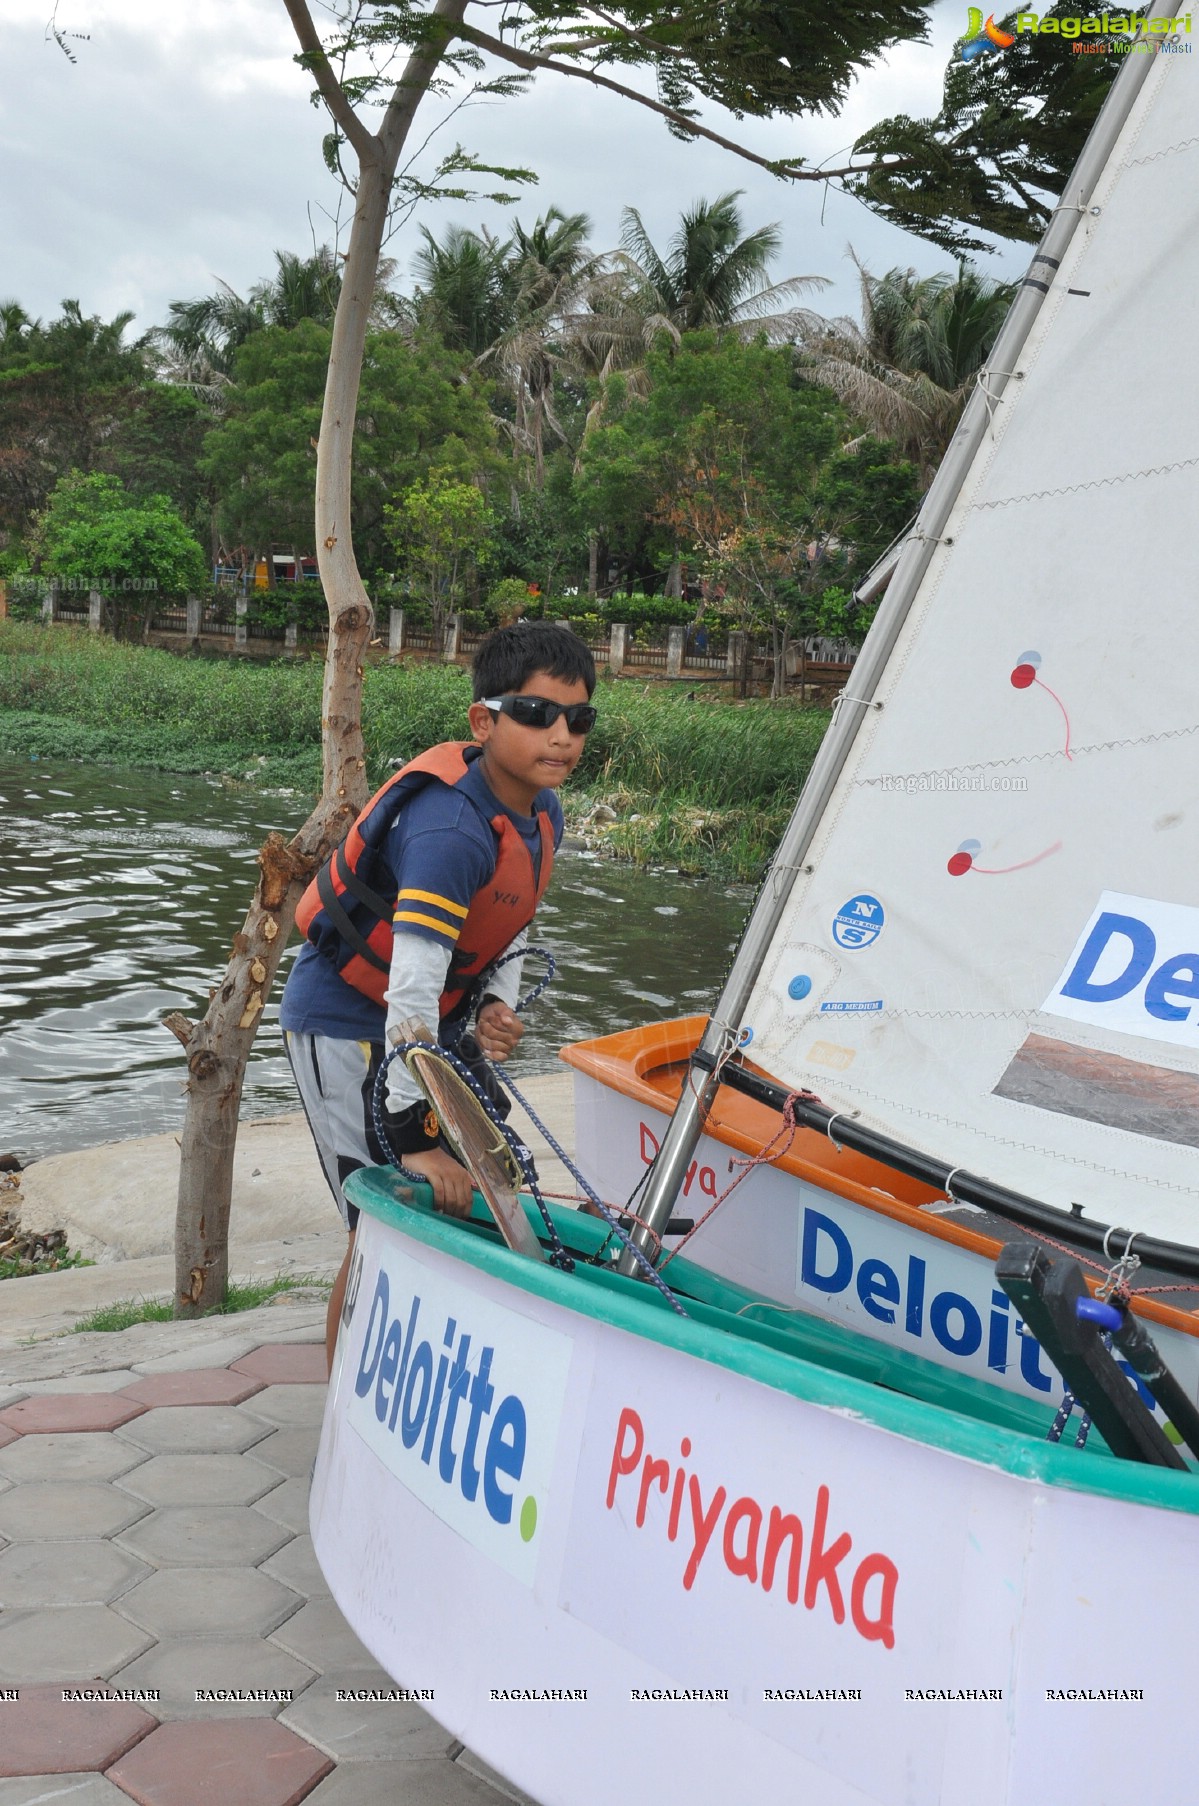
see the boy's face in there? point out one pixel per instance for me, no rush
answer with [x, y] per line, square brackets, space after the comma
[519, 761]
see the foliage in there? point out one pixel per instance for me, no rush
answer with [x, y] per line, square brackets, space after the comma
[95, 536]
[997, 155]
[440, 528]
[65, 390]
[414, 411]
[712, 781]
[908, 370]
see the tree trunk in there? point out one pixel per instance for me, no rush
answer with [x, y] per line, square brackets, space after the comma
[592, 564]
[218, 1047]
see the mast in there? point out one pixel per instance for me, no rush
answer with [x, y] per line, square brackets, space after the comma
[722, 1034]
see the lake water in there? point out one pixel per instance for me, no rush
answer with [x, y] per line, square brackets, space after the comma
[120, 893]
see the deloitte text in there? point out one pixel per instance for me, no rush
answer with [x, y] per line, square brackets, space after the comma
[461, 1400]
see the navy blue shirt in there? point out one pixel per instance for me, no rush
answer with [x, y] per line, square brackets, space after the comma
[440, 850]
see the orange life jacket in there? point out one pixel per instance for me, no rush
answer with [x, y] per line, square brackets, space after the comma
[349, 921]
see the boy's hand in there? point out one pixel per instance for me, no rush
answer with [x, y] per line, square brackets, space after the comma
[497, 1029]
[451, 1183]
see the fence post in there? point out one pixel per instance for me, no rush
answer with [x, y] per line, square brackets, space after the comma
[453, 637]
[291, 639]
[675, 641]
[616, 644]
[734, 658]
[395, 632]
[50, 601]
[240, 636]
[95, 603]
[195, 614]
[3, 599]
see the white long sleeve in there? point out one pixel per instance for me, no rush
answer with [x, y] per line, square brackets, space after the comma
[415, 984]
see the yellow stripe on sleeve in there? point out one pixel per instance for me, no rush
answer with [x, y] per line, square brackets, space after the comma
[429, 896]
[411, 915]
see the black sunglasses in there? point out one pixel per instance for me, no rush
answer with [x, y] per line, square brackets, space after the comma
[539, 711]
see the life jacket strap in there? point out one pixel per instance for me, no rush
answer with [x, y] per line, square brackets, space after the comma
[332, 905]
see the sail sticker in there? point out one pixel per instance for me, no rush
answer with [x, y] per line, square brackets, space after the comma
[1106, 1088]
[827, 1053]
[961, 862]
[1025, 673]
[858, 922]
[1134, 969]
[849, 1009]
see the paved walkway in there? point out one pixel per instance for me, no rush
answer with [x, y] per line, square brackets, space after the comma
[166, 1635]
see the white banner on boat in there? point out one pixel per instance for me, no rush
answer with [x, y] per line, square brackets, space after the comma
[808, 1247]
[463, 1409]
[1032, 761]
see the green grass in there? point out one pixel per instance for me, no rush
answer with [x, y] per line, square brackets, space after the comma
[50, 1263]
[710, 780]
[128, 1311]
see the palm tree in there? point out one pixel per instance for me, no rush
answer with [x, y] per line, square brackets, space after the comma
[549, 270]
[908, 369]
[465, 293]
[710, 275]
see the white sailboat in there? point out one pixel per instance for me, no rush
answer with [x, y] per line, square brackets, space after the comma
[980, 939]
[620, 1540]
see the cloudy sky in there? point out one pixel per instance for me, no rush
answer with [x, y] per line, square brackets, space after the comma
[181, 146]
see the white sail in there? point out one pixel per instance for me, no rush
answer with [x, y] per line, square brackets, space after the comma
[992, 949]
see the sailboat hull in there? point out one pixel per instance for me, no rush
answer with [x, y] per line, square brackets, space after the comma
[616, 1551]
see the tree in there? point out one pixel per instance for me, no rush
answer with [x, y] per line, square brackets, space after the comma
[908, 370]
[710, 274]
[94, 536]
[996, 156]
[439, 527]
[738, 53]
[65, 389]
[414, 411]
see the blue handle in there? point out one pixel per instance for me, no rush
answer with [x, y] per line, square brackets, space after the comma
[1093, 1310]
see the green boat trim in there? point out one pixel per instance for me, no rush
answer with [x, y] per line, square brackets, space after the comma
[793, 1352]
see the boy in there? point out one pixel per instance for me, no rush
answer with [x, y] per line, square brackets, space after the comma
[440, 875]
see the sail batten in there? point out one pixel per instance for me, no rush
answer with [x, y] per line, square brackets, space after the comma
[992, 949]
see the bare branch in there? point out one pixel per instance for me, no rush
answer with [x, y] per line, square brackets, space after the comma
[331, 90]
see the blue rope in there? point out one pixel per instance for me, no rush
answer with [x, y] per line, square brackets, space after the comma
[517, 1148]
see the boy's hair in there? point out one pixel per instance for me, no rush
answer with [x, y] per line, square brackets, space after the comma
[509, 657]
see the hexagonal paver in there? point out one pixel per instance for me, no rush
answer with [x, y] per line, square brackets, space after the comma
[289, 1452]
[285, 1504]
[287, 1364]
[176, 1602]
[319, 1635]
[296, 1566]
[67, 1643]
[364, 1728]
[255, 1763]
[200, 1480]
[289, 1407]
[115, 1381]
[65, 1573]
[415, 1783]
[218, 1677]
[45, 1510]
[205, 1536]
[62, 1411]
[194, 1386]
[71, 1455]
[7, 1434]
[193, 1429]
[68, 1790]
[47, 1735]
